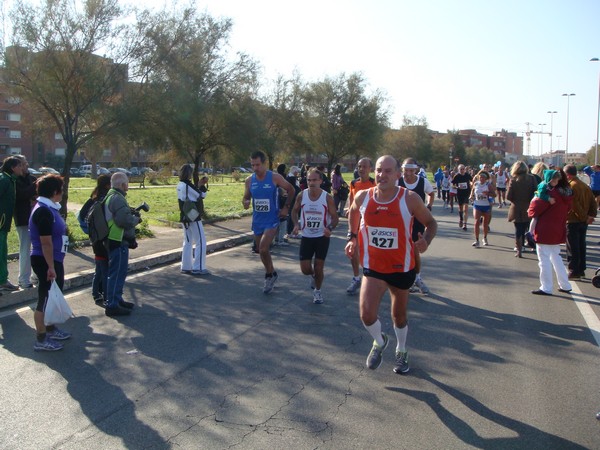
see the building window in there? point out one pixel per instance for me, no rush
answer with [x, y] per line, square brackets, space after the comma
[14, 134]
[106, 152]
[13, 100]
[15, 150]
[59, 152]
[58, 137]
[14, 117]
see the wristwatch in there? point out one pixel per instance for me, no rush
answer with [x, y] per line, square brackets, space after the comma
[351, 235]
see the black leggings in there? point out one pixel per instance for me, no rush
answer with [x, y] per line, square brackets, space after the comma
[520, 230]
[40, 268]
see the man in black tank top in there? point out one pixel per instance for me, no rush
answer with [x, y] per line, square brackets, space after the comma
[413, 182]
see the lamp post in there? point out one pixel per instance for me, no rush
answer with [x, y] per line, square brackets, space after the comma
[450, 158]
[541, 138]
[567, 136]
[597, 118]
[551, 127]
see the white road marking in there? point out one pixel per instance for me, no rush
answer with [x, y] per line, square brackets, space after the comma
[591, 319]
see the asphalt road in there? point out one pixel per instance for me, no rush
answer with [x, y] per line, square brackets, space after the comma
[214, 363]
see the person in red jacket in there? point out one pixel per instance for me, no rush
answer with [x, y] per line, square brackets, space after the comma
[551, 231]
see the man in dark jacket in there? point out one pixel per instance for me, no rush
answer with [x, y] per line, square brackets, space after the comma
[25, 199]
[11, 169]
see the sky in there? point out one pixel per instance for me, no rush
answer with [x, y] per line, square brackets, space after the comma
[460, 64]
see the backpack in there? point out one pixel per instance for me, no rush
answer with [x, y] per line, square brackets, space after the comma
[96, 222]
[82, 215]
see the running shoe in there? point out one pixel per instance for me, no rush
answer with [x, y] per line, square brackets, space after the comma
[475, 244]
[270, 283]
[422, 286]
[413, 289]
[401, 363]
[8, 286]
[317, 297]
[58, 335]
[460, 224]
[465, 227]
[376, 355]
[201, 272]
[485, 242]
[47, 345]
[354, 286]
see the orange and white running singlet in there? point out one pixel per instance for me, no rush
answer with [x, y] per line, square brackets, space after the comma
[384, 236]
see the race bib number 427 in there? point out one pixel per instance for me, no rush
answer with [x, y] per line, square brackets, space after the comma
[383, 238]
[262, 205]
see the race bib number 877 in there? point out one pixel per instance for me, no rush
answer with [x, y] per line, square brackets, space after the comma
[383, 238]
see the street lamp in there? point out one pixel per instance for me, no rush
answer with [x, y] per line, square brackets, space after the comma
[541, 139]
[598, 118]
[567, 137]
[551, 127]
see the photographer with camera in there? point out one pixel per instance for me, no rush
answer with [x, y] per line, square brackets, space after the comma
[191, 221]
[121, 237]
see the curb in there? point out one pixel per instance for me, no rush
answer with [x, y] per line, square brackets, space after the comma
[85, 277]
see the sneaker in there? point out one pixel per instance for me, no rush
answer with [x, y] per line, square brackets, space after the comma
[475, 244]
[8, 286]
[186, 272]
[283, 244]
[354, 286]
[126, 305]
[99, 301]
[460, 224]
[47, 345]
[312, 282]
[317, 297]
[26, 286]
[485, 242]
[118, 311]
[201, 272]
[464, 227]
[413, 289]
[58, 335]
[401, 363]
[422, 286]
[376, 354]
[270, 283]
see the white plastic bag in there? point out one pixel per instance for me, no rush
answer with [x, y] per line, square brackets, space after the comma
[57, 308]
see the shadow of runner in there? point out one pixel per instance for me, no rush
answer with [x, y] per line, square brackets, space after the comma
[528, 437]
[105, 405]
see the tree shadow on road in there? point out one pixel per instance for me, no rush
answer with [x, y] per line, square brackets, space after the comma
[528, 437]
[100, 399]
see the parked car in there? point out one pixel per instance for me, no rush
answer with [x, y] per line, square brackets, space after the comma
[240, 170]
[76, 173]
[119, 169]
[35, 173]
[102, 171]
[135, 171]
[46, 170]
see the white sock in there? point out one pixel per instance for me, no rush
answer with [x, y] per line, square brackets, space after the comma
[401, 334]
[418, 276]
[356, 278]
[375, 331]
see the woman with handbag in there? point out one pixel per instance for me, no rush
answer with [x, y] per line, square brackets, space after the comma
[191, 208]
[49, 245]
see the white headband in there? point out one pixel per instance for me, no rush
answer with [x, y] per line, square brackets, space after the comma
[410, 166]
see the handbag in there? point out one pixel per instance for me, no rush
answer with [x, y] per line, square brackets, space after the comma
[57, 309]
[190, 208]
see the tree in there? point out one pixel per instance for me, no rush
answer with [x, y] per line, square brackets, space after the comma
[341, 119]
[54, 65]
[194, 82]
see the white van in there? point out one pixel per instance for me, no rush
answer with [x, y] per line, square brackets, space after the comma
[86, 169]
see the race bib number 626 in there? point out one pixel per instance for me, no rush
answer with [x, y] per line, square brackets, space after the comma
[383, 238]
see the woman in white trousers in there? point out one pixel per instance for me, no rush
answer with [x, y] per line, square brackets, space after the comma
[193, 254]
